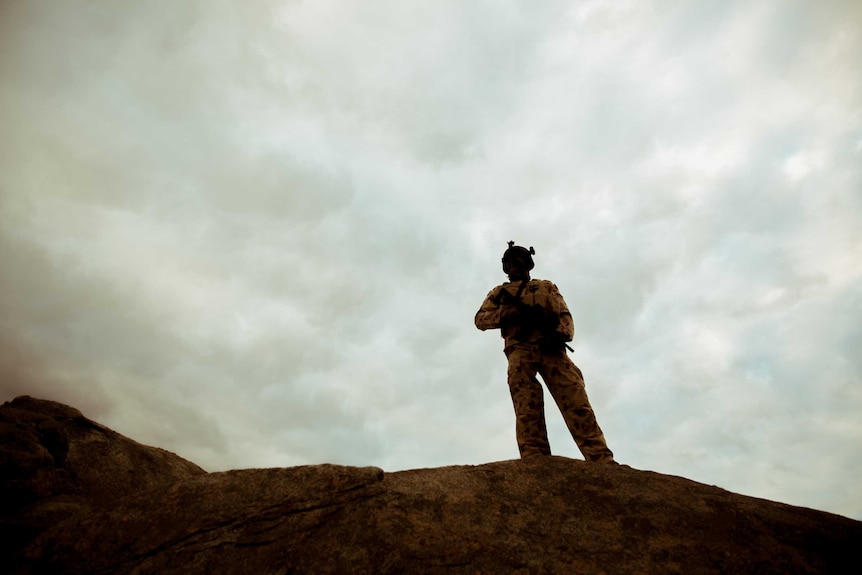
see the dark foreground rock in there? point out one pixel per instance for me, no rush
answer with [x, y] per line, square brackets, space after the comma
[546, 515]
[55, 463]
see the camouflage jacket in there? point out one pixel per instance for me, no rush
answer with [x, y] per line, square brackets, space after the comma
[543, 313]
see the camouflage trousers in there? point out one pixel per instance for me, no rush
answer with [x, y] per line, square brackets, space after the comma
[566, 384]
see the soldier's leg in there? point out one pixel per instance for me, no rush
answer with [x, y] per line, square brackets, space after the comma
[566, 384]
[526, 391]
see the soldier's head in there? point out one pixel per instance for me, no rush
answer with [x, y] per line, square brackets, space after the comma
[518, 261]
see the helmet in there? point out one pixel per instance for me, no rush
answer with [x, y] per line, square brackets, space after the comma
[517, 253]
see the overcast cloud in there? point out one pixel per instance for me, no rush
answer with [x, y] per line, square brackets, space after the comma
[256, 234]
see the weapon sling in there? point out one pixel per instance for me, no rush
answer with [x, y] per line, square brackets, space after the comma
[516, 299]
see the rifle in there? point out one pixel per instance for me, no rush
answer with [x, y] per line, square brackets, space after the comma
[531, 317]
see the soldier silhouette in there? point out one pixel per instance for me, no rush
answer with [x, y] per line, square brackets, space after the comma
[536, 325]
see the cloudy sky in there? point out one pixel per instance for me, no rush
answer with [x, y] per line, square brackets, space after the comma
[256, 234]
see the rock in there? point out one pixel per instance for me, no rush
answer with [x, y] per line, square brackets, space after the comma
[549, 515]
[542, 515]
[54, 462]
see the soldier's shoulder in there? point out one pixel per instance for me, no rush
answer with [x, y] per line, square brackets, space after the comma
[543, 287]
[543, 284]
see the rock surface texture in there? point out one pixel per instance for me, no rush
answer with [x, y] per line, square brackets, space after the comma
[542, 515]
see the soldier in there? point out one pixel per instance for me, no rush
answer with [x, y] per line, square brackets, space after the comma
[535, 324]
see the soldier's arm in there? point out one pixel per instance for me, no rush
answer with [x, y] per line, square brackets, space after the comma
[566, 325]
[488, 316]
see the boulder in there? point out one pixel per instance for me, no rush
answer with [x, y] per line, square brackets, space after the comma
[546, 515]
[534, 516]
[54, 463]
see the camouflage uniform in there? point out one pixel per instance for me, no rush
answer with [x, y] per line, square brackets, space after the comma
[534, 343]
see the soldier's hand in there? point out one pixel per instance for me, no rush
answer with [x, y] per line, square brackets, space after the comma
[553, 343]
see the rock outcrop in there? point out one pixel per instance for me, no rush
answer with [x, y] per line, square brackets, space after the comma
[55, 463]
[543, 515]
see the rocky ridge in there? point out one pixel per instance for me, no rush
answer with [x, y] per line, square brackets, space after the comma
[80, 498]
